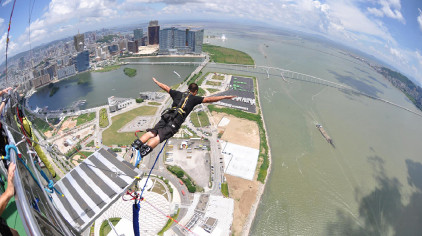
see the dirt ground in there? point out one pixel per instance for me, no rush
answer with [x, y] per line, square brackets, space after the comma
[69, 123]
[75, 159]
[237, 127]
[82, 134]
[244, 194]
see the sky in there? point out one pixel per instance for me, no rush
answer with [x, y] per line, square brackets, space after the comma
[390, 30]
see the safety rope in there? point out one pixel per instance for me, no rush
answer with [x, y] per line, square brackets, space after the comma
[50, 187]
[8, 31]
[138, 206]
[19, 157]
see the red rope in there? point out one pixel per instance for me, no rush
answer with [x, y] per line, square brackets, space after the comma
[171, 218]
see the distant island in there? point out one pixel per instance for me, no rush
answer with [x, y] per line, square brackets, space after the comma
[412, 91]
[54, 90]
[129, 72]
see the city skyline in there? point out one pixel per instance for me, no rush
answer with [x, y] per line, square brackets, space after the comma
[388, 29]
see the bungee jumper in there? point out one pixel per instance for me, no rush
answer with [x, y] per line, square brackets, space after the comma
[172, 118]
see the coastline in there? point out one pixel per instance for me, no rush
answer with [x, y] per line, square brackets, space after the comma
[252, 213]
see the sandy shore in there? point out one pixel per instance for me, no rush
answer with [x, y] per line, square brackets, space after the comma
[248, 224]
[246, 194]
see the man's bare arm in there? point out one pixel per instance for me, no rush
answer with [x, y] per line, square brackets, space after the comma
[161, 85]
[216, 98]
[10, 191]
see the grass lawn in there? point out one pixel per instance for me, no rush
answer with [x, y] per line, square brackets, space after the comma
[225, 189]
[105, 227]
[218, 77]
[227, 55]
[82, 119]
[108, 68]
[213, 83]
[169, 223]
[103, 118]
[154, 103]
[110, 135]
[87, 154]
[90, 144]
[199, 119]
[211, 90]
[41, 124]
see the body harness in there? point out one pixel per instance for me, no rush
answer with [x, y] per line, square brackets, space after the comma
[170, 114]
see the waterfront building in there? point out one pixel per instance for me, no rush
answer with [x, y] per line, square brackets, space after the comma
[177, 41]
[199, 39]
[132, 46]
[116, 103]
[78, 41]
[138, 34]
[66, 71]
[153, 33]
[50, 69]
[41, 80]
[82, 61]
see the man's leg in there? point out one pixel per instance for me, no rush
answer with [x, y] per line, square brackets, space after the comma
[148, 135]
[148, 147]
[138, 143]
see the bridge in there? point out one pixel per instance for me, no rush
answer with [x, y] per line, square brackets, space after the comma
[182, 63]
[287, 75]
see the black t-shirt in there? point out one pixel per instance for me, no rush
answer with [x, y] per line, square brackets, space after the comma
[190, 103]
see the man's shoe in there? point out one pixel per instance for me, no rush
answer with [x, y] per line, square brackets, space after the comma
[145, 150]
[137, 144]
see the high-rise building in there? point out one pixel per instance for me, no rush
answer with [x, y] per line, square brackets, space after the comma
[172, 38]
[138, 34]
[78, 41]
[132, 46]
[153, 33]
[181, 41]
[123, 44]
[82, 61]
[199, 39]
[113, 49]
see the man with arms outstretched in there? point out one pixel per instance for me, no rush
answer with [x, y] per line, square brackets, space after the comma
[172, 119]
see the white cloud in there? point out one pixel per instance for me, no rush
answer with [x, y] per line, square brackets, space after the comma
[6, 2]
[418, 57]
[1, 21]
[388, 8]
[69, 15]
[420, 18]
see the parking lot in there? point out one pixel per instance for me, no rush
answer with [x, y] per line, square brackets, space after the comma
[193, 159]
[243, 89]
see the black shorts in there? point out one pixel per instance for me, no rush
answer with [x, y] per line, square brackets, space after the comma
[164, 130]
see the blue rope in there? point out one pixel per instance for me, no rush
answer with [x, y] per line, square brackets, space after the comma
[140, 197]
[137, 206]
[50, 187]
[7, 157]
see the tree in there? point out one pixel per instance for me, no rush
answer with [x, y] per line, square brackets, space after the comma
[139, 100]
[191, 189]
[180, 174]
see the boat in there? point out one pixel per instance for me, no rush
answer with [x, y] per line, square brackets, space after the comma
[324, 134]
